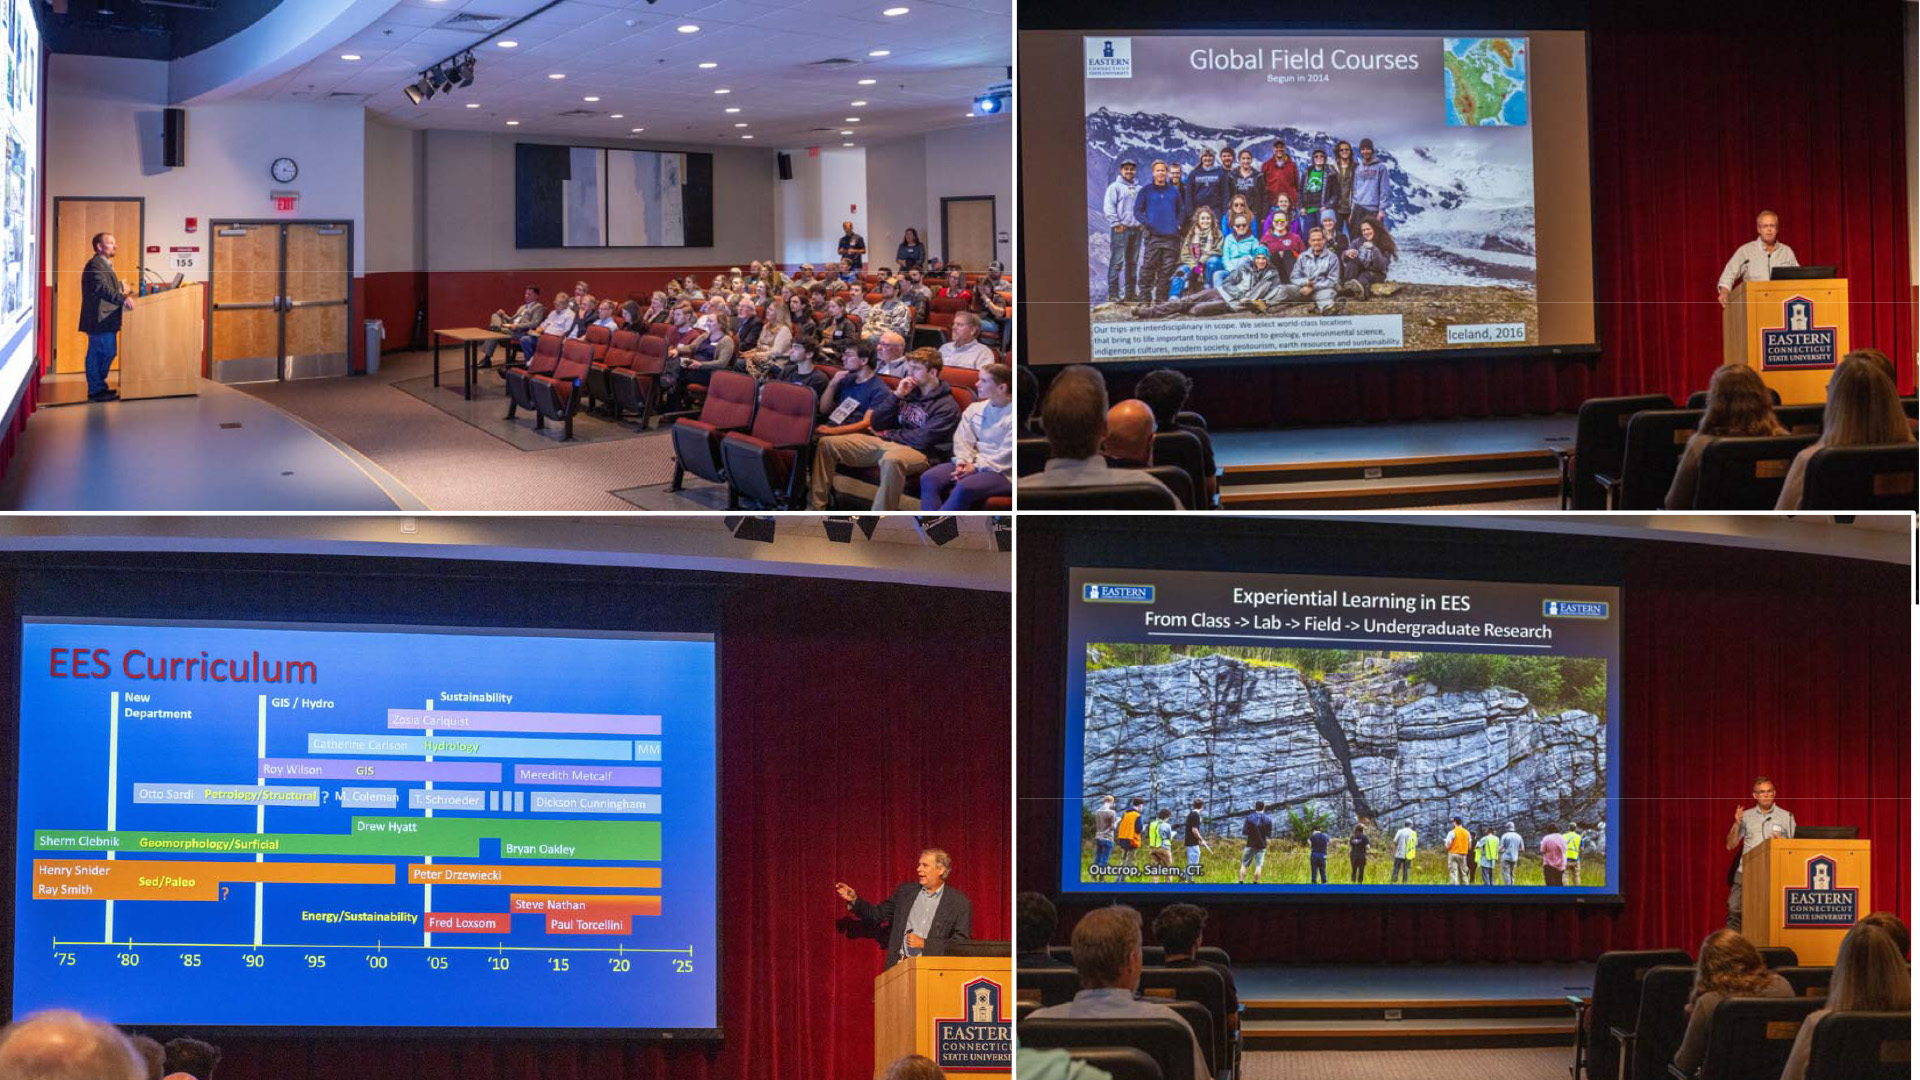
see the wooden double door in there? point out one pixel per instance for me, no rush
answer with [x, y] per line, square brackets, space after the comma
[280, 300]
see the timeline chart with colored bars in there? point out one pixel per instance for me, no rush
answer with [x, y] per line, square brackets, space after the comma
[304, 825]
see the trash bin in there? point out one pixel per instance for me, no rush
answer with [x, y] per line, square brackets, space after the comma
[376, 333]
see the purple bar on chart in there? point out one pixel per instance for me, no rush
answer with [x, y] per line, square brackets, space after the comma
[465, 772]
[486, 720]
[595, 775]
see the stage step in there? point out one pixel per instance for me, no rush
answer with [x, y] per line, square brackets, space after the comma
[1386, 491]
[1456, 1033]
[1435, 1009]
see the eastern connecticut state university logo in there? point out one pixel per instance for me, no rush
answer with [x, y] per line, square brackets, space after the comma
[1109, 58]
[1116, 594]
[1796, 343]
[982, 1041]
[1822, 904]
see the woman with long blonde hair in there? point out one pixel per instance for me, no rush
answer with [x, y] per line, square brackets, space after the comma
[1863, 409]
[1739, 405]
[1869, 975]
[1729, 967]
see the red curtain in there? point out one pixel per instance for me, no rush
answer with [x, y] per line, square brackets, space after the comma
[1703, 114]
[860, 724]
[1737, 663]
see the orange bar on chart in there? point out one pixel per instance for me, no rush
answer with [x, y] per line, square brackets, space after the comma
[170, 879]
[563, 877]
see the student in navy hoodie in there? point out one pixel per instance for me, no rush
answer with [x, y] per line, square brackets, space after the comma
[1158, 208]
[1207, 187]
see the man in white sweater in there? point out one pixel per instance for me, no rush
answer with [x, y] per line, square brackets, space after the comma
[982, 465]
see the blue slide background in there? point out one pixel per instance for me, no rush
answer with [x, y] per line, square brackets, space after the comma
[63, 777]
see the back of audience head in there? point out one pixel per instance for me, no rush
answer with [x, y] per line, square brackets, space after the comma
[1165, 391]
[1129, 431]
[913, 1067]
[193, 1057]
[1863, 407]
[150, 1052]
[1738, 403]
[1178, 928]
[1730, 965]
[1035, 920]
[1869, 974]
[1106, 948]
[61, 1045]
[1028, 398]
[1075, 413]
[1889, 922]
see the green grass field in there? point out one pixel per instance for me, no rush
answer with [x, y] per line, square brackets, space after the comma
[1288, 864]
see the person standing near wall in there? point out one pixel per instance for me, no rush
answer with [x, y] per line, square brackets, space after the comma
[102, 298]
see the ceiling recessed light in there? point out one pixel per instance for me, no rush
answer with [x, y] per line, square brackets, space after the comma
[856, 104]
[736, 108]
[746, 136]
[589, 99]
[349, 56]
[618, 116]
[742, 123]
[846, 144]
[709, 64]
[556, 75]
[513, 123]
[895, 11]
[508, 44]
[638, 130]
[881, 52]
[867, 82]
[853, 119]
[723, 90]
[688, 28]
[846, 133]
[473, 104]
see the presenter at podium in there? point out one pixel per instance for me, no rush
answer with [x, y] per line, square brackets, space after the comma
[1752, 825]
[1755, 259]
[924, 915]
[102, 299]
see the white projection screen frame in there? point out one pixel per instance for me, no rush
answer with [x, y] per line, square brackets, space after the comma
[20, 194]
[1056, 243]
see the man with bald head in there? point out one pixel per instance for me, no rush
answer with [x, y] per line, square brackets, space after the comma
[1756, 259]
[1129, 441]
[63, 1045]
[1075, 410]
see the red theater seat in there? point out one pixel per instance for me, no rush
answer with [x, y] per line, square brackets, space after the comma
[601, 339]
[729, 406]
[634, 387]
[622, 350]
[767, 468]
[557, 396]
[546, 357]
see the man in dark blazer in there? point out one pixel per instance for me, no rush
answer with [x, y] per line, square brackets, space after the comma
[925, 915]
[102, 299]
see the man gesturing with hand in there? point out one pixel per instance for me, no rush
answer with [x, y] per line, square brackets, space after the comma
[1752, 825]
[923, 916]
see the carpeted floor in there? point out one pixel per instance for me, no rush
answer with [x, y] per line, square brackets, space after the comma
[1527, 1063]
[450, 464]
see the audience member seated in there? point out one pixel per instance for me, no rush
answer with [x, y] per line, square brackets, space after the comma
[1167, 392]
[1035, 919]
[965, 350]
[891, 315]
[1106, 953]
[926, 415]
[1738, 405]
[630, 314]
[61, 1045]
[992, 299]
[1869, 975]
[890, 355]
[151, 1054]
[1028, 398]
[524, 319]
[1180, 928]
[1129, 440]
[1888, 921]
[838, 330]
[586, 308]
[956, 287]
[1729, 966]
[1863, 409]
[805, 279]
[856, 399]
[982, 465]
[800, 370]
[559, 322]
[657, 308]
[913, 1067]
[1034, 1063]
[683, 340]
[747, 326]
[603, 316]
[1075, 414]
[776, 339]
[191, 1057]
[917, 295]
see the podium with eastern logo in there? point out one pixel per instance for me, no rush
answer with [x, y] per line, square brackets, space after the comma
[1805, 894]
[954, 1009]
[1791, 332]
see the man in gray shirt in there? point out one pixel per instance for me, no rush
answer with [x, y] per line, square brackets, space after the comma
[1509, 854]
[1751, 826]
[1755, 259]
[1106, 826]
[1106, 952]
[1123, 246]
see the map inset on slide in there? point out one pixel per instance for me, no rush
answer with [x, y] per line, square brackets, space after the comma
[238, 825]
[1486, 81]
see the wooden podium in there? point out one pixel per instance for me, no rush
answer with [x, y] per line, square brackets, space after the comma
[1791, 332]
[1805, 894]
[161, 342]
[956, 1010]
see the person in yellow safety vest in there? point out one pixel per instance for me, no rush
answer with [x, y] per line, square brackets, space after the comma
[1487, 854]
[1160, 839]
[1573, 854]
[1129, 839]
[1459, 845]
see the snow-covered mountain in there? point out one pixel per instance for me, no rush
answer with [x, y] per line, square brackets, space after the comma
[1458, 218]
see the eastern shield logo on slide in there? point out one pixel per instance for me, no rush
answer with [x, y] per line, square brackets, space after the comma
[1821, 904]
